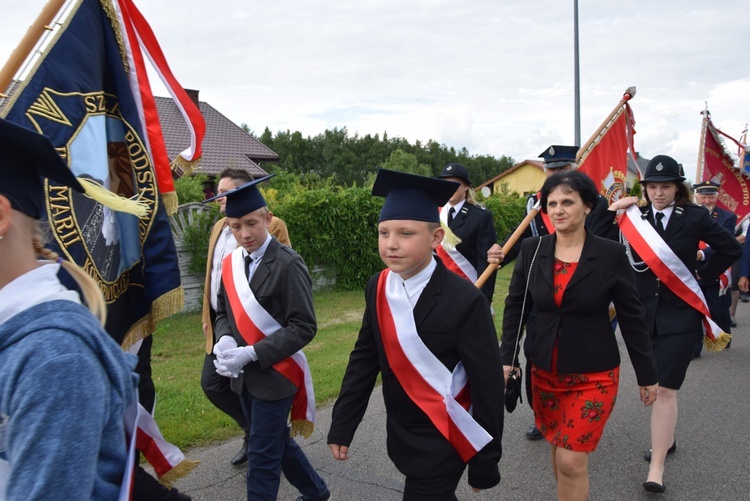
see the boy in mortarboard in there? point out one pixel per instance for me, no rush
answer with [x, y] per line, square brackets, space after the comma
[264, 317]
[429, 333]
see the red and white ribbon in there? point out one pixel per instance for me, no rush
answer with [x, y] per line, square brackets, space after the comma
[254, 324]
[442, 395]
[665, 264]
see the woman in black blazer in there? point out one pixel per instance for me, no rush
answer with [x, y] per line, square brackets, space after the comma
[572, 278]
[675, 326]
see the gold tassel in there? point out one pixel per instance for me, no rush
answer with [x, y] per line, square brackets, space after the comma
[450, 240]
[717, 344]
[302, 427]
[105, 197]
[179, 471]
[187, 167]
[162, 307]
[171, 202]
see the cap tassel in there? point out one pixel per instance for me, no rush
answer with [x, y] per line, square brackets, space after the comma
[450, 240]
[115, 202]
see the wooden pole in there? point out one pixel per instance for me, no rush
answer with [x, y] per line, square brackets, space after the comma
[606, 124]
[492, 267]
[34, 33]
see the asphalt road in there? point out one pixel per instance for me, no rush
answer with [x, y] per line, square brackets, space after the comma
[710, 462]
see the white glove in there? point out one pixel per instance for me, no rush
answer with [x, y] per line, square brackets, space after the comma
[229, 363]
[225, 343]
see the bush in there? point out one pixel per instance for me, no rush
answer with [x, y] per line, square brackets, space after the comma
[195, 239]
[190, 188]
[337, 229]
[508, 210]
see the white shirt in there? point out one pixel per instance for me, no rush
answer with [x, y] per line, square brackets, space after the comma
[225, 244]
[257, 255]
[667, 211]
[457, 207]
[32, 288]
[416, 284]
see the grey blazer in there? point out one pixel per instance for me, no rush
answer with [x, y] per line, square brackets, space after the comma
[283, 287]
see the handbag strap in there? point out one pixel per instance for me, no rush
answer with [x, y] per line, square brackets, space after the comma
[523, 305]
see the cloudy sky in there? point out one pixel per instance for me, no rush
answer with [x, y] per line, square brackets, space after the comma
[495, 77]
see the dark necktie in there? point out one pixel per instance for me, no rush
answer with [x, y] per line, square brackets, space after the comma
[659, 224]
[451, 213]
[248, 264]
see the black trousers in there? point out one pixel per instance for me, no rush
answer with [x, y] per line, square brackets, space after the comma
[432, 489]
[218, 392]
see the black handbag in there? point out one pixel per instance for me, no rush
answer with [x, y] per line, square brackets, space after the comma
[513, 385]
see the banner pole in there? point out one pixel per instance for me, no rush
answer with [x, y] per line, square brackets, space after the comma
[701, 164]
[33, 34]
[604, 127]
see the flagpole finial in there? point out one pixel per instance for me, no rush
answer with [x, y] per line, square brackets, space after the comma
[629, 93]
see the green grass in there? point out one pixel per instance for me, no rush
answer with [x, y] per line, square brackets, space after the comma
[188, 419]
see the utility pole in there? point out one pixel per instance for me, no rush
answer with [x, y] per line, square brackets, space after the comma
[577, 78]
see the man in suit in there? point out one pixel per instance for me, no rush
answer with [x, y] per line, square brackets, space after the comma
[221, 243]
[473, 224]
[719, 302]
[264, 317]
[599, 221]
[420, 321]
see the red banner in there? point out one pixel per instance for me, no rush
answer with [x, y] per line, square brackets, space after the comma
[718, 166]
[606, 163]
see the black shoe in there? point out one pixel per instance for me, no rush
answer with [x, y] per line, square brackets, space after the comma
[241, 457]
[654, 487]
[647, 454]
[745, 298]
[533, 433]
[733, 323]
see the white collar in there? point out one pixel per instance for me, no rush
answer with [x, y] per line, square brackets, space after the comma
[415, 284]
[34, 287]
[458, 206]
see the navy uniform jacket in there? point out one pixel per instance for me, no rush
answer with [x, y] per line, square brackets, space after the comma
[454, 322]
[726, 220]
[599, 221]
[283, 287]
[474, 225]
[688, 225]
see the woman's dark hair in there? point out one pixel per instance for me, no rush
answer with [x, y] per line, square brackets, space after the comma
[570, 181]
[682, 196]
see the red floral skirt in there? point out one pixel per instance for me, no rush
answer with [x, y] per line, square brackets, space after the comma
[571, 409]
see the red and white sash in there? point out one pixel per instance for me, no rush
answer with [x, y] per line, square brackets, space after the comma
[254, 324]
[665, 264]
[168, 461]
[442, 395]
[451, 258]
[545, 217]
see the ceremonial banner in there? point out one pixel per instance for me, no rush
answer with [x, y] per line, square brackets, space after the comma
[605, 156]
[88, 92]
[718, 166]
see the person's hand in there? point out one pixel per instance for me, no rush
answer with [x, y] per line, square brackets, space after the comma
[340, 452]
[700, 256]
[495, 255]
[623, 203]
[649, 394]
[233, 360]
[743, 284]
[225, 343]
[506, 372]
[205, 329]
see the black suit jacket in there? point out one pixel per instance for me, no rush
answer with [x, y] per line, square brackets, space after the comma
[476, 228]
[688, 225]
[283, 287]
[454, 321]
[581, 325]
[728, 221]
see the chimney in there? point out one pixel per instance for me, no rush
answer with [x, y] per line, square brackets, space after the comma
[194, 96]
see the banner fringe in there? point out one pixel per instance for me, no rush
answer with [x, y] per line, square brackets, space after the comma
[302, 427]
[171, 202]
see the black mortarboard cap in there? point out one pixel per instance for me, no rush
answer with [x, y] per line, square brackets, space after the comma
[413, 197]
[558, 156]
[25, 158]
[707, 188]
[456, 170]
[663, 168]
[243, 199]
